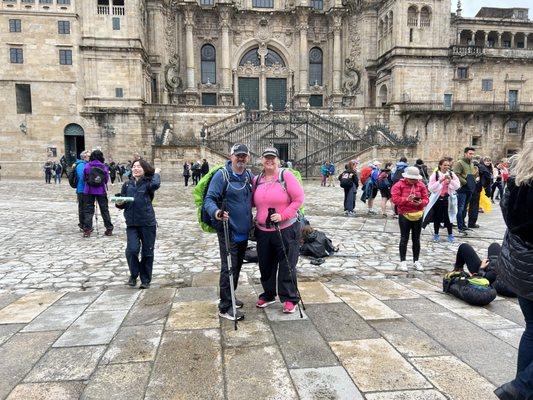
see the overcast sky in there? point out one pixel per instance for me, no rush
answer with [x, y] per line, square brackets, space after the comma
[471, 7]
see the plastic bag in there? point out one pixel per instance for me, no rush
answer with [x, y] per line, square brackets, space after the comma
[484, 202]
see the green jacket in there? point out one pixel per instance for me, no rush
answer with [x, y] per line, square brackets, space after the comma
[462, 168]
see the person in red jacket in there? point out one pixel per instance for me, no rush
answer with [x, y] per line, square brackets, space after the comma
[410, 196]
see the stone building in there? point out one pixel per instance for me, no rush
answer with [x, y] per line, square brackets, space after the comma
[179, 80]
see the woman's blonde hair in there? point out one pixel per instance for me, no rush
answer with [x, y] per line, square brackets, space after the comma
[522, 164]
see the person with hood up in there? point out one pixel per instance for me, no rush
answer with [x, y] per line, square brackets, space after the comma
[516, 265]
[96, 177]
[410, 195]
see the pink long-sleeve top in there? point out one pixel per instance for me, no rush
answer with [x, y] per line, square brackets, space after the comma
[443, 188]
[271, 194]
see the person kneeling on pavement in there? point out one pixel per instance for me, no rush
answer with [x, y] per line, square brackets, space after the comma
[140, 220]
[277, 196]
[231, 185]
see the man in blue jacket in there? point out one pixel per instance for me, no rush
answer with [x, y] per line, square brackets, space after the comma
[231, 185]
[80, 165]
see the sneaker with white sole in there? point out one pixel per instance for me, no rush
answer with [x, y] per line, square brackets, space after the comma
[289, 307]
[402, 266]
[418, 266]
[229, 315]
[262, 303]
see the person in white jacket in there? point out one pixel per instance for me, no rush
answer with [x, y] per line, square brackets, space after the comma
[442, 207]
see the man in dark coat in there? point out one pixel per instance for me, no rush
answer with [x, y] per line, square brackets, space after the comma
[205, 168]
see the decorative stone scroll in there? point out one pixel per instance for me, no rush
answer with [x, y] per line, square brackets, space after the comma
[172, 74]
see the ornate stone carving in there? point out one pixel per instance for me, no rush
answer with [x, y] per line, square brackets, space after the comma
[172, 75]
[352, 64]
[263, 31]
[351, 85]
[249, 69]
[170, 36]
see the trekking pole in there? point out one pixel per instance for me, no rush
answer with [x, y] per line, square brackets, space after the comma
[96, 217]
[230, 265]
[291, 269]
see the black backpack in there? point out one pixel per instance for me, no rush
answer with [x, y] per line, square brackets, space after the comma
[398, 174]
[73, 177]
[346, 180]
[96, 177]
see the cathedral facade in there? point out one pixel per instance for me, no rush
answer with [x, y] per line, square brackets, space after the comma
[166, 78]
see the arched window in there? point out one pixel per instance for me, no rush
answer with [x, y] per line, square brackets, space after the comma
[383, 95]
[380, 29]
[425, 17]
[315, 67]
[412, 16]
[251, 57]
[272, 58]
[209, 64]
[512, 126]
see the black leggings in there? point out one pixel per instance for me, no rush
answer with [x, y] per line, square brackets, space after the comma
[440, 215]
[467, 255]
[406, 227]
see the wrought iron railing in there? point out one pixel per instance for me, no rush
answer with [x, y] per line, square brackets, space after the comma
[462, 51]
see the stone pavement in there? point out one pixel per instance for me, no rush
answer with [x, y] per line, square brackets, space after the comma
[70, 329]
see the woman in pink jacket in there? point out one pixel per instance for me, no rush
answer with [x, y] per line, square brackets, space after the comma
[277, 196]
[442, 206]
[410, 196]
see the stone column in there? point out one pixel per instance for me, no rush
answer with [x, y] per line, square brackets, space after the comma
[262, 78]
[525, 40]
[472, 38]
[191, 94]
[225, 69]
[486, 38]
[459, 38]
[303, 76]
[337, 56]
[512, 39]
[499, 39]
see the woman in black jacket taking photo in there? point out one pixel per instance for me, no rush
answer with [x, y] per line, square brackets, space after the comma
[140, 221]
[516, 265]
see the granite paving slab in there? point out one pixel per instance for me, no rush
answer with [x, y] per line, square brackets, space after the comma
[151, 307]
[448, 301]
[118, 382]
[386, 289]
[485, 318]
[316, 292]
[254, 330]
[110, 300]
[445, 371]
[408, 339]
[55, 317]
[66, 364]
[420, 286]
[509, 310]
[245, 381]
[407, 395]
[8, 298]
[324, 383]
[207, 278]
[19, 354]
[501, 367]
[28, 307]
[133, 344]
[78, 298]
[348, 325]
[92, 328]
[302, 346]
[194, 356]
[193, 315]
[186, 294]
[274, 313]
[375, 365]
[6, 331]
[47, 391]
[511, 336]
[421, 305]
[366, 305]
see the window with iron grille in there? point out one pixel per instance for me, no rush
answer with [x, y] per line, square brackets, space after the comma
[263, 3]
[209, 99]
[16, 55]
[486, 85]
[208, 64]
[317, 4]
[15, 25]
[315, 67]
[65, 57]
[45, 1]
[63, 27]
[207, 2]
[116, 24]
[23, 96]
[316, 100]
[512, 126]
[462, 73]
[65, 2]
[119, 92]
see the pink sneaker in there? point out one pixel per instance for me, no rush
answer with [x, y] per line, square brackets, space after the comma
[261, 303]
[289, 307]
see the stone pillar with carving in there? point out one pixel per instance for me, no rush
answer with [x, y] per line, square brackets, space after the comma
[336, 26]
[226, 95]
[303, 77]
[525, 40]
[499, 39]
[191, 93]
[512, 39]
[262, 79]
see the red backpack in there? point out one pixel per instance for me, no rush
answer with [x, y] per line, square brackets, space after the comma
[365, 174]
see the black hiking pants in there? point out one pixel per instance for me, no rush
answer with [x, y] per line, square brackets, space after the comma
[440, 215]
[407, 227]
[89, 210]
[81, 209]
[473, 209]
[141, 239]
[237, 251]
[467, 255]
[273, 265]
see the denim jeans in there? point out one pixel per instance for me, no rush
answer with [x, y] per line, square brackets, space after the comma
[524, 374]
[463, 198]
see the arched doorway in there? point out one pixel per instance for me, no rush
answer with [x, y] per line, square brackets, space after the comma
[262, 79]
[74, 142]
[383, 96]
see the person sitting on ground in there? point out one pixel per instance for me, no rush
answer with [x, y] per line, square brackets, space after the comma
[410, 196]
[140, 221]
[466, 255]
[277, 231]
[315, 243]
